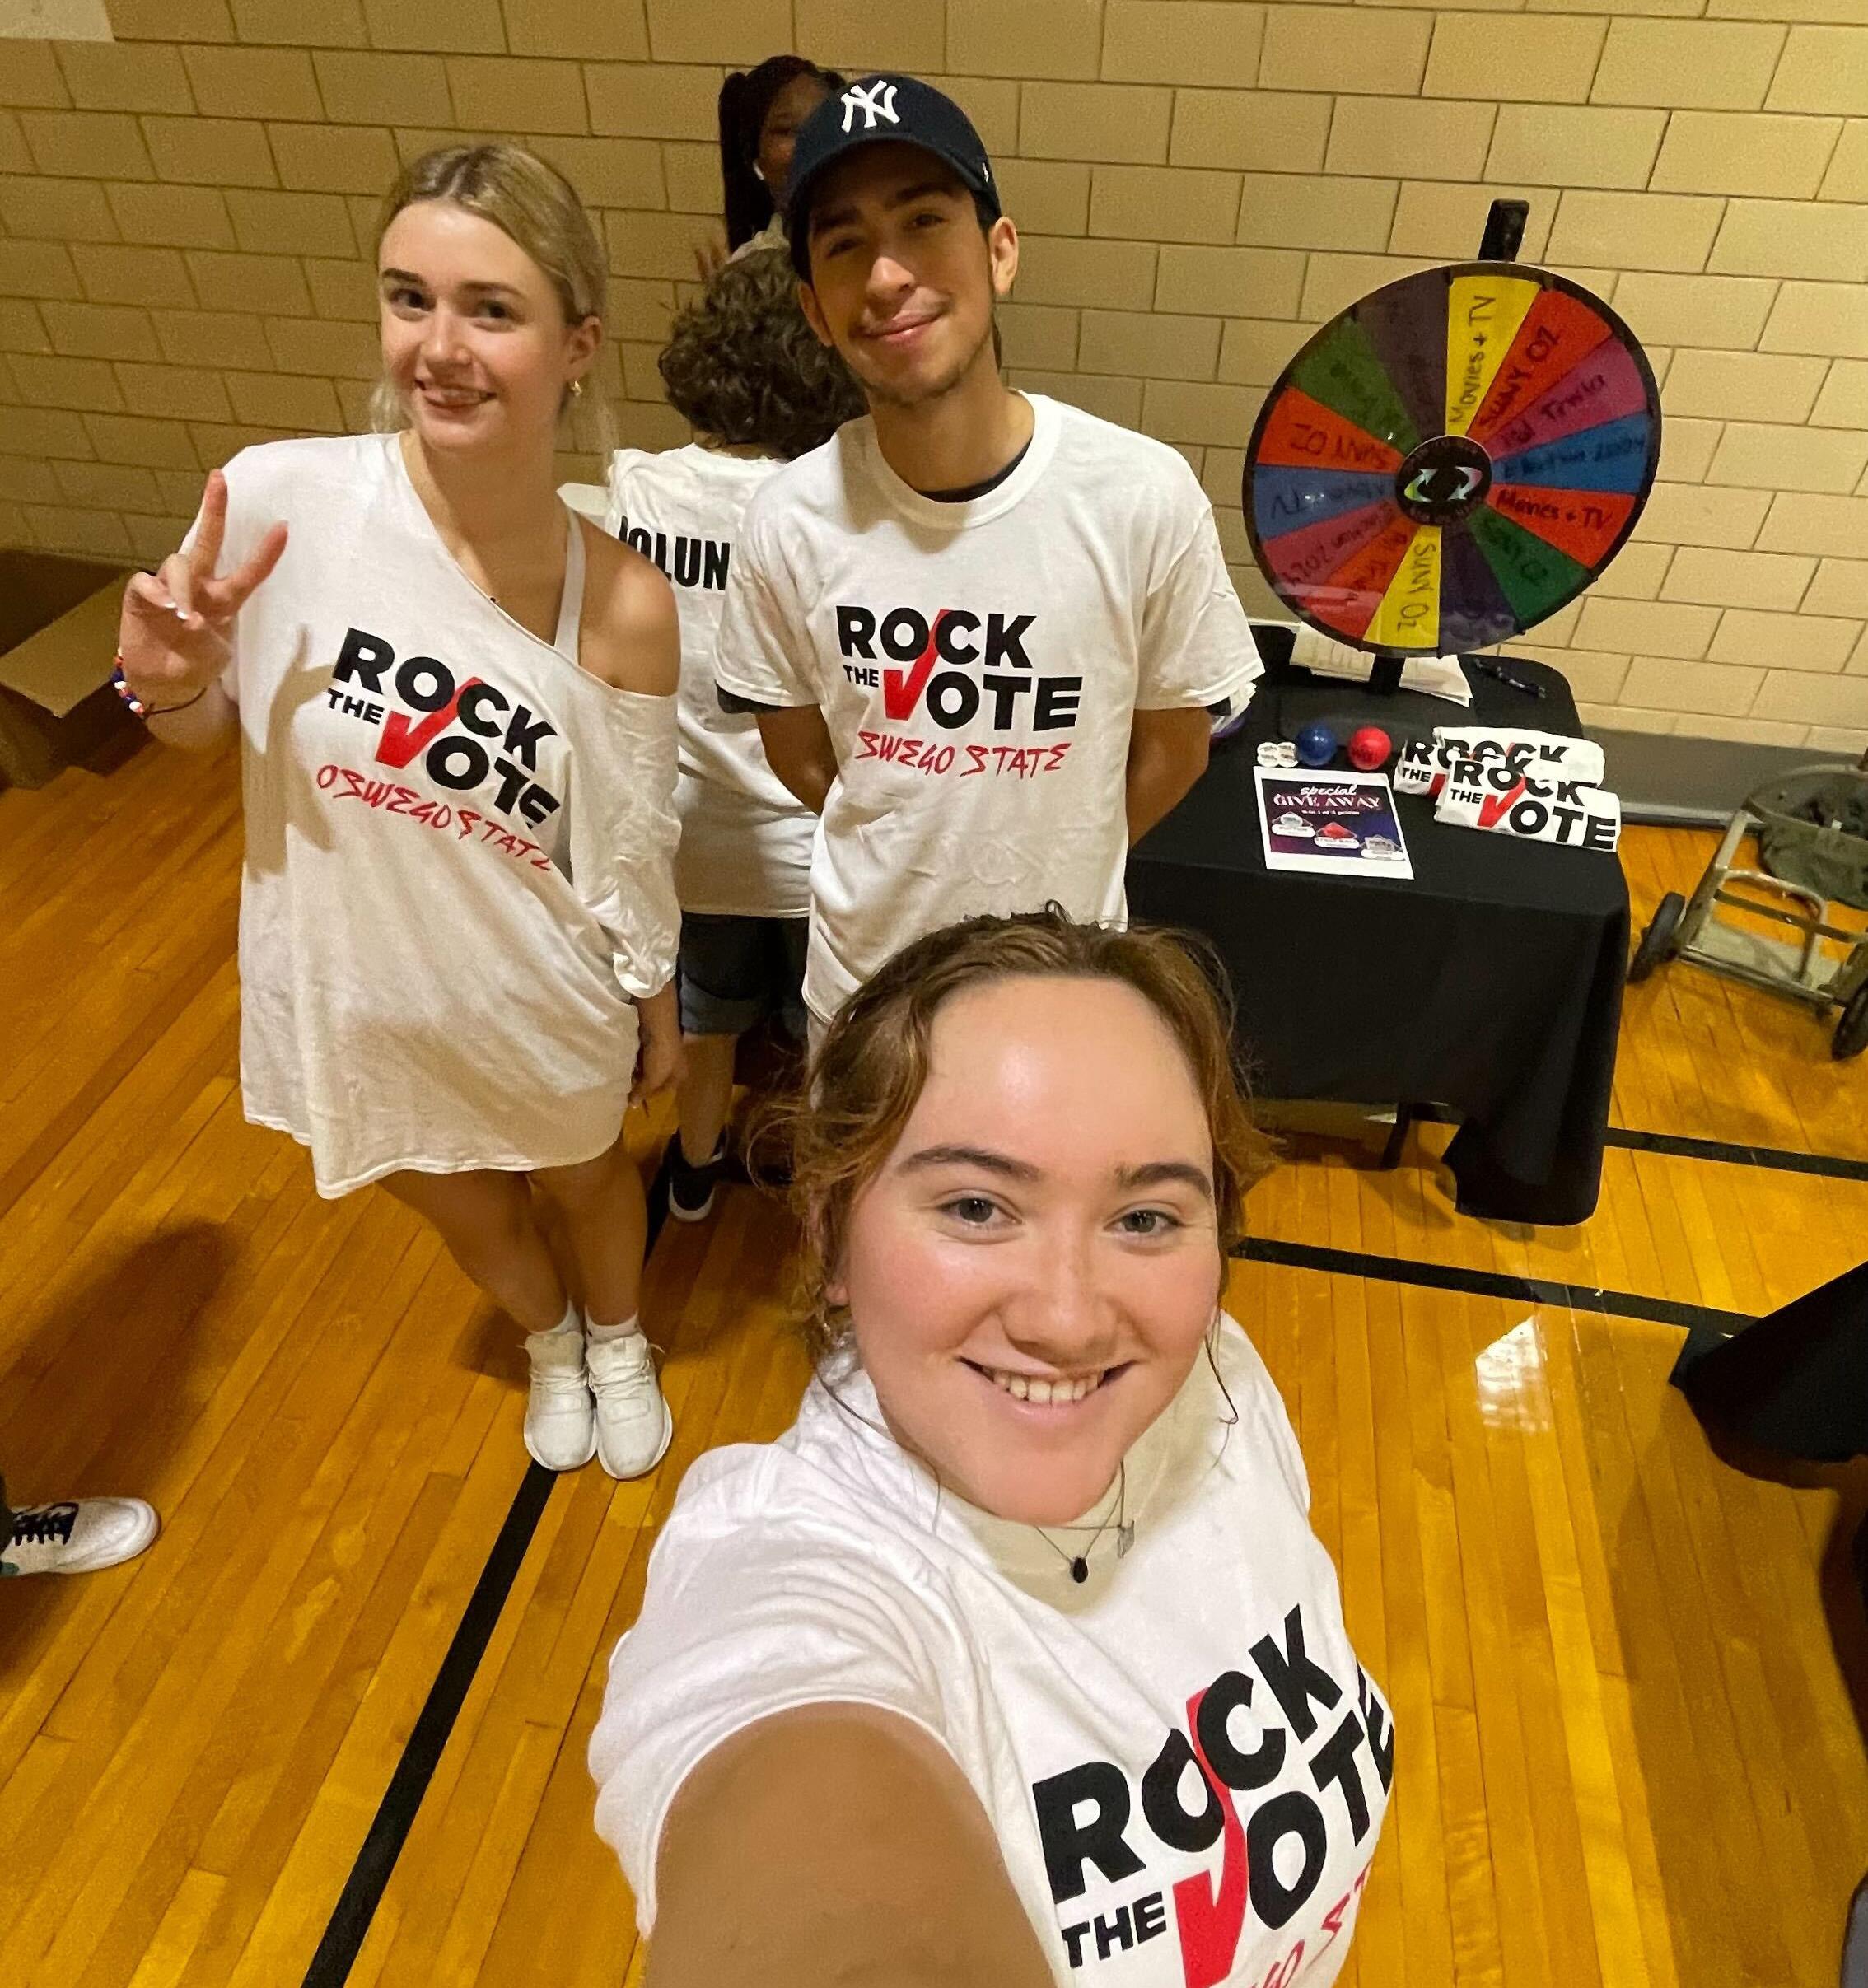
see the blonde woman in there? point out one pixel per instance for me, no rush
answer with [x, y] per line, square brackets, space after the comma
[455, 707]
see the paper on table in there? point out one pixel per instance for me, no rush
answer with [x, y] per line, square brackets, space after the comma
[1436, 676]
[1336, 824]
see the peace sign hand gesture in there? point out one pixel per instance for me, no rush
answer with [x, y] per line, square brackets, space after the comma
[177, 629]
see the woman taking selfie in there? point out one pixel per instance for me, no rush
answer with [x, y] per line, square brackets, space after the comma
[454, 704]
[1015, 1660]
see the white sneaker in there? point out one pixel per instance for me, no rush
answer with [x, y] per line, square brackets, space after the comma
[77, 1537]
[633, 1426]
[560, 1421]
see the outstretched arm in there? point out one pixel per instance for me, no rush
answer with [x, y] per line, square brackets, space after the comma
[835, 1843]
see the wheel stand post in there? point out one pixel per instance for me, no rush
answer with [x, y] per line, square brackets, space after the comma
[1504, 230]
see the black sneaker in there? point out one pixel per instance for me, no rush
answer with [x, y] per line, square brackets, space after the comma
[691, 1188]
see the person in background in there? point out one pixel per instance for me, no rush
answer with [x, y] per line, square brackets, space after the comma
[760, 111]
[1016, 1661]
[985, 633]
[456, 705]
[75, 1535]
[746, 371]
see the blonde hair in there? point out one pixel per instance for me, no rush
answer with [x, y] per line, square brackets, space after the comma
[870, 1069]
[535, 205]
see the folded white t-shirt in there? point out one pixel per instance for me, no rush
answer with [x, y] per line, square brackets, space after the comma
[979, 664]
[826, 1567]
[745, 841]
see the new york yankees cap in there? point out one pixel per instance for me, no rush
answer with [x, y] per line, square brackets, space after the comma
[901, 108]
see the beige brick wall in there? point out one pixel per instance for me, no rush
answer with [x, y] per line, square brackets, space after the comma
[185, 217]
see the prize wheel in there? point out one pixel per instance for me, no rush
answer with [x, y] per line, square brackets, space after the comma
[1450, 461]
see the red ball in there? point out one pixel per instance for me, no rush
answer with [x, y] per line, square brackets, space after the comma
[1370, 748]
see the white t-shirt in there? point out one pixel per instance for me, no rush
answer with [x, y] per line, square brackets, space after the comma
[745, 841]
[824, 1568]
[771, 235]
[458, 843]
[979, 665]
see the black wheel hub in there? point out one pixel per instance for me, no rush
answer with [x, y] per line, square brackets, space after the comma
[1444, 480]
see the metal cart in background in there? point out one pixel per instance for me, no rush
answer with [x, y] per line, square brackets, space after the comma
[1811, 827]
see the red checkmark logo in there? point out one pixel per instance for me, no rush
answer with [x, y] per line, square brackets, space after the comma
[1211, 1917]
[901, 694]
[401, 741]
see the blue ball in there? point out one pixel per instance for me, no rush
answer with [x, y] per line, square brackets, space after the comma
[1316, 745]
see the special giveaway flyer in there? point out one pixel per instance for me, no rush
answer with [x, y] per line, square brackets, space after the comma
[1331, 823]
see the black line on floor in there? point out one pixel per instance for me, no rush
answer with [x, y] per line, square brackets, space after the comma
[1491, 1284]
[350, 1919]
[1780, 1159]
[395, 1814]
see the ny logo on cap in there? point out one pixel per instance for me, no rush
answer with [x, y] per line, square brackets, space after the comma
[876, 103]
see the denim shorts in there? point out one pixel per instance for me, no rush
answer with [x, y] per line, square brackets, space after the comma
[735, 971]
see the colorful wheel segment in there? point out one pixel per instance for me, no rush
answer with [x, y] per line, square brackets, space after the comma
[1452, 459]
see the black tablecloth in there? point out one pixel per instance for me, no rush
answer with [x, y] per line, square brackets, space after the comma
[1491, 984]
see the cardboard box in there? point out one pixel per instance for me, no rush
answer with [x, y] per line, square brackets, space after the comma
[57, 646]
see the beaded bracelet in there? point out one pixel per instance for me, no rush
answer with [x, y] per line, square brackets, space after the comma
[120, 683]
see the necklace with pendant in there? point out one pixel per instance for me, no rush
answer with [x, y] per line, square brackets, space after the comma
[1078, 1563]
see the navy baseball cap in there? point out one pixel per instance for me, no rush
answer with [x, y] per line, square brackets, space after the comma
[900, 109]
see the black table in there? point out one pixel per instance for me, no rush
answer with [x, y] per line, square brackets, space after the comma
[1490, 984]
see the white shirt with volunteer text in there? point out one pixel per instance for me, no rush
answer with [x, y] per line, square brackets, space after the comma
[458, 874]
[979, 666]
[1184, 1764]
[746, 841]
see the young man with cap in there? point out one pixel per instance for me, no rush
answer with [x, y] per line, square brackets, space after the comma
[985, 633]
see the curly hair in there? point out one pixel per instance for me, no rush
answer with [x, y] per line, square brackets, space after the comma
[874, 1057]
[743, 367]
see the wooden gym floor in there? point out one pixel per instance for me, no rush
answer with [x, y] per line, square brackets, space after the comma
[331, 1727]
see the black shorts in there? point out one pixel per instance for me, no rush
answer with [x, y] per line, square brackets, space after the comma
[735, 971]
